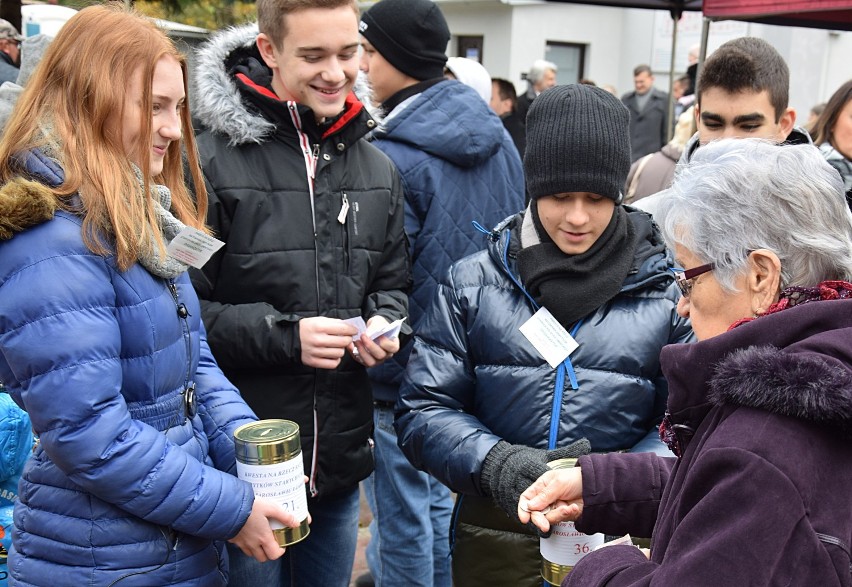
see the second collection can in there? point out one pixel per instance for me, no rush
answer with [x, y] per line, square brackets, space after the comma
[269, 456]
[566, 545]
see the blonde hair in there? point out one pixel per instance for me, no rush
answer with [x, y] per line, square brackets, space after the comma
[71, 106]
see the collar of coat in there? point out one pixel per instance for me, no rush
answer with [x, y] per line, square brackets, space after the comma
[218, 100]
[796, 363]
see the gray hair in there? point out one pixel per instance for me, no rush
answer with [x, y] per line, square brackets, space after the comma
[738, 195]
[538, 68]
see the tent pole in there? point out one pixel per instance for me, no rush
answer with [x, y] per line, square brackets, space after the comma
[702, 54]
[670, 110]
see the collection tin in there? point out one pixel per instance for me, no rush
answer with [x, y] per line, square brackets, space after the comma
[566, 546]
[269, 456]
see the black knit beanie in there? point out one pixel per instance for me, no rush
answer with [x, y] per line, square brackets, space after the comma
[577, 141]
[412, 35]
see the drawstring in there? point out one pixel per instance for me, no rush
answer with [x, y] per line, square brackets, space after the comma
[493, 235]
[564, 367]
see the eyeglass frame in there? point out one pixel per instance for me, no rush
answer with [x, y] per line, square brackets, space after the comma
[683, 279]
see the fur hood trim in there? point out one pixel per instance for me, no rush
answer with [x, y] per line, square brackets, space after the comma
[804, 386]
[24, 203]
[217, 101]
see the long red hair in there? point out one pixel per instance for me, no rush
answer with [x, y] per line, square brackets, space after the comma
[72, 106]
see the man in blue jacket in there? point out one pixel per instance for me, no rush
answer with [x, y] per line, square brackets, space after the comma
[458, 165]
[487, 399]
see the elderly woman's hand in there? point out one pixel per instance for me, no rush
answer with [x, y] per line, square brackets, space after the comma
[556, 496]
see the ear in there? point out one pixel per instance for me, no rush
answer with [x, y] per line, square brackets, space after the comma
[763, 280]
[786, 123]
[697, 113]
[265, 47]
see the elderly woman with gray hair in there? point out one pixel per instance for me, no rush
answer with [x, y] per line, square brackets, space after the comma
[760, 408]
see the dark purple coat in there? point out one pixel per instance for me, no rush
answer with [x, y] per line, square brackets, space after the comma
[762, 495]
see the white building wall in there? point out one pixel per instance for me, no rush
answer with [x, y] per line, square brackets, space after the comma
[516, 33]
[836, 66]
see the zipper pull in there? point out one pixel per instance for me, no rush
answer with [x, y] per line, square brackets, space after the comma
[314, 157]
[344, 210]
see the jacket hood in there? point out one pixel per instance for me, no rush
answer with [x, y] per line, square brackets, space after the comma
[217, 100]
[449, 121]
[24, 203]
[28, 202]
[796, 363]
[804, 386]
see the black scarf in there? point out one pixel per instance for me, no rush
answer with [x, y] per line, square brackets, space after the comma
[572, 286]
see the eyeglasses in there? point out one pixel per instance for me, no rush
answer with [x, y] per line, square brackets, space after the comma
[684, 279]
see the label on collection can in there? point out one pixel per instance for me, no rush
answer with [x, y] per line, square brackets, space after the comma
[567, 545]
[283, 483]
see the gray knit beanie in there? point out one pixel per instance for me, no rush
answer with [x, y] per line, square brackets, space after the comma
[577, 141]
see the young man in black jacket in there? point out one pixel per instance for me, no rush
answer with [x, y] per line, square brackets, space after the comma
[312, 218]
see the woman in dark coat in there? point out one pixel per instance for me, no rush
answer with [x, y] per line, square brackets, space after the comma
[759, 413]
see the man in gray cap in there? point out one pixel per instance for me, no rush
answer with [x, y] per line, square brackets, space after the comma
[10, 51]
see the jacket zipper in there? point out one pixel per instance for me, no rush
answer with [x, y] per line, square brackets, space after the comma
[188, 385]
[343, 219]
[311, 159]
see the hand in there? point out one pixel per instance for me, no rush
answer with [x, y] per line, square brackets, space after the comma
[324, 340]
[555, 497]
[255, 538]
[370, 352]
[510, 468]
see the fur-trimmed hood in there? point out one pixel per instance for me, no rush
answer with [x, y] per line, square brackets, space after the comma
[796, 363]
[25, 202]
[217, 101]
[805, 386]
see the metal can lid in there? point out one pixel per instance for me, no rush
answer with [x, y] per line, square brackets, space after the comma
[267, 442]
[562, 463]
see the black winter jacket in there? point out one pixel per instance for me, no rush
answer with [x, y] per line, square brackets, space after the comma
[287, 256]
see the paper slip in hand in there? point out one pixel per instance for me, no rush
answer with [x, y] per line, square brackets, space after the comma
[358, 323]
[548, 337]
[626, 539]
[193, 247]
[389, 330]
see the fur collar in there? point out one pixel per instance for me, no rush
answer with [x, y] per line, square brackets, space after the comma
[24, 203]
[217, 102]
[801, 385]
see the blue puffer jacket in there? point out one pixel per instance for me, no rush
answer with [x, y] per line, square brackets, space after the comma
[473, 379]
[458, 165]
[123, 489]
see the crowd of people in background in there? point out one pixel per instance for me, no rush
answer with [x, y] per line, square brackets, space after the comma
[554, 277]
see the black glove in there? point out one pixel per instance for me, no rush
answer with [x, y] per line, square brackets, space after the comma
[510, 468]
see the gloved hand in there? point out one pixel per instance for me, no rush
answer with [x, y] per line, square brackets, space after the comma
[510, 468]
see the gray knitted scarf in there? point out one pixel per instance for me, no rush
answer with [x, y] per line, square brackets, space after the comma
[162, 266]
[165, 267]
